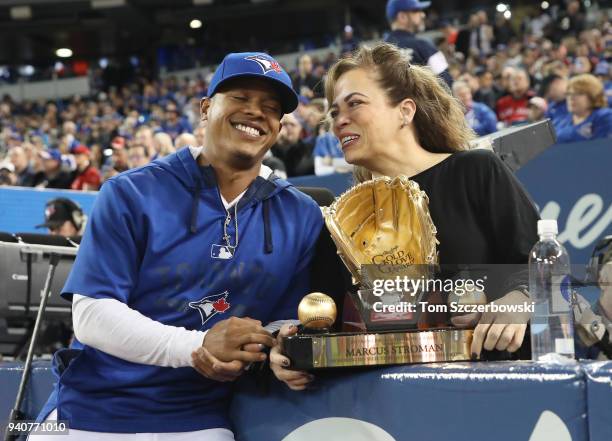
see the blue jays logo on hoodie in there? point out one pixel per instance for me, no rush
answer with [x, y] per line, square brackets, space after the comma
[210, 306]
[266, 64]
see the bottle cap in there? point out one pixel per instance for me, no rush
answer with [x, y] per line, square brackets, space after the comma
[547, 226]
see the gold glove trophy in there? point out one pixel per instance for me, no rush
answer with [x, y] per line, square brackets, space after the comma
[384, 232]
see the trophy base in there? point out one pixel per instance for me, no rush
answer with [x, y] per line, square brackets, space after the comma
[335, 350]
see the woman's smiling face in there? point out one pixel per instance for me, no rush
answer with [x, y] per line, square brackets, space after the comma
[363, 119]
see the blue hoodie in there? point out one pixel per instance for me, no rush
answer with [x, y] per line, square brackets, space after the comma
[150, 243]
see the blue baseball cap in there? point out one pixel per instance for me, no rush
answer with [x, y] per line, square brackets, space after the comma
[54, 154]
[258, 65]
[396, 6]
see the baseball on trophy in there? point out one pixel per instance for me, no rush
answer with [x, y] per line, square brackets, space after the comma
[317, 311]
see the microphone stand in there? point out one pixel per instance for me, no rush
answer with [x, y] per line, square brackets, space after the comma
[55, 254]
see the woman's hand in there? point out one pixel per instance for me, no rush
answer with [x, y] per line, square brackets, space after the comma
[503, 331]
[296, 380]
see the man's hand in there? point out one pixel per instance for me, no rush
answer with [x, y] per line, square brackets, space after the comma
[210, 367]
[501, 330]
[229, 346]
[296, 380]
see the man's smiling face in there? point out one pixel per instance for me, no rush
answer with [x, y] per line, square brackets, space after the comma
[243, 120]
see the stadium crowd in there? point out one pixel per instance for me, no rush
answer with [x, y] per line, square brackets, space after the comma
[556, 64]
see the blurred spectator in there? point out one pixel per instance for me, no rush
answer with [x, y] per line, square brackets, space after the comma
[554, 89]
[602, 71]
[14, 139]
[506, 79]
[119, 159]
[7, 173]
[144, 136]
[174, 124]
[349, 42]
[183, 140]
[470, 80]
[118, 143]
[487, 93]
[312, 116]
[538, 23]
[589, 117]
[503, 31]
[69, 141]
[295, 153]
[478, 115]
[305, 82]
[138, 156]
[54, 175]
[26, 175]
[328, 156]
[512, 108]
[477, 38]
[570, 22]
[200, 134]
[163, 145]
[581, 65]
[449, 31]
[406, 18]
[88, 177]
[537, 108]
[192, 111]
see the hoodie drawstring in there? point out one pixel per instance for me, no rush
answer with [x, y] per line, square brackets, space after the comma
[194, 207]
[267, 231]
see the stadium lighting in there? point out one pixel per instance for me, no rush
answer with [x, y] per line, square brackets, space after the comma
[103, 63]
[195, 24]
[501, 7]
[545, 5]
[64, 52]
[21, 12]
[507, 14]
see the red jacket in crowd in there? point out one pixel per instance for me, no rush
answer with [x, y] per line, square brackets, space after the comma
[511, 110]
[90, 177]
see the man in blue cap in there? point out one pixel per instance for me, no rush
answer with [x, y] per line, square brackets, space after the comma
[406, 18]
[182, 262]
[55, 175]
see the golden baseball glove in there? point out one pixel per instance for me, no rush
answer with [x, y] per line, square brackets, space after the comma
[383, 221]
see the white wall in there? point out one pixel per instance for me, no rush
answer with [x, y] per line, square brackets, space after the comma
[60, 88]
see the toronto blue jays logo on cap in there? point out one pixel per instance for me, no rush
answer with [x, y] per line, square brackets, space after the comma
[49, 211]
[265, 63]
[210, 306]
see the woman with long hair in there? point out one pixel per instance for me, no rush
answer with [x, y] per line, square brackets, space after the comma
[393, 118]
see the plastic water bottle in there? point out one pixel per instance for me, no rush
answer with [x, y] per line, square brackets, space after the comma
[552, 327]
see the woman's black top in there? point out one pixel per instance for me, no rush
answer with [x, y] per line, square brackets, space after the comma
[483, 216]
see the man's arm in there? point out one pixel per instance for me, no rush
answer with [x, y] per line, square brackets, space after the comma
[115, 328]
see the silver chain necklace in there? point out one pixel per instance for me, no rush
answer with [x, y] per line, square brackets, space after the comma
[228, 219]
